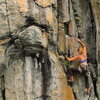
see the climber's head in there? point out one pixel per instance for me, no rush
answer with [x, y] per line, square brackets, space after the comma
[80, 50]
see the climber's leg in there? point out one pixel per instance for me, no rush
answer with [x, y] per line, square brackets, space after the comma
[70, 73]
[83, 70]
[93, 74]
[88, 81]
[70, 77]
[88, 84]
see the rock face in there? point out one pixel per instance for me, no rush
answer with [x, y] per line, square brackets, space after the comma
[34, 36]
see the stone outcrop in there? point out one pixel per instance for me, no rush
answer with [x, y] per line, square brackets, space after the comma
[34, 36]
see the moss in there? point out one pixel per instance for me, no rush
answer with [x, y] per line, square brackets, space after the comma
[66, 62]
[75, 63]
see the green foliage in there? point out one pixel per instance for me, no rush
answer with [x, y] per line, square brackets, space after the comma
[66, 62]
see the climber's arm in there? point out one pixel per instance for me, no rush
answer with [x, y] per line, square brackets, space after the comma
[71, 59]
[81, 42]
[82, 45]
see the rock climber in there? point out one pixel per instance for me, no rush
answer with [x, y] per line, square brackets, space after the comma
[83, 66]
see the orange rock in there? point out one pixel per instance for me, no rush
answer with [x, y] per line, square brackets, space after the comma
[64, 90]
[43, 3]
[45, 39]
[69, 93]
[23, 6]
[49, 15]
[2, 54]
[61, 39]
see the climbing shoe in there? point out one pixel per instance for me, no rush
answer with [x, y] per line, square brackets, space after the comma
[70, 81]
[88, 91]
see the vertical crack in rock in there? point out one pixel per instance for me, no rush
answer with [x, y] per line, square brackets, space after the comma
[94, 56]
[46, 72]
[75, 95]
[95, 88]
[3, 91]
[58, 18]
[93, 52]
[95, 62]
[95, 7]
[7, 16]
[77, 16]
[61, 38]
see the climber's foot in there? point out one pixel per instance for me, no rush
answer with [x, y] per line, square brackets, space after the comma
[71, 80]
[87, 90]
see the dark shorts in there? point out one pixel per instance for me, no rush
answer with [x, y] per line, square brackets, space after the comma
[83, 70]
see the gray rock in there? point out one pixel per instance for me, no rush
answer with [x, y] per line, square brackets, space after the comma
[34, 53]
[4, 26]
[32, 39]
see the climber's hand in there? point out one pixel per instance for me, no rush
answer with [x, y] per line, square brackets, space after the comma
[66, 56]
[79, 40]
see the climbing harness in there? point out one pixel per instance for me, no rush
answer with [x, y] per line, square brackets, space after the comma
[83, 61]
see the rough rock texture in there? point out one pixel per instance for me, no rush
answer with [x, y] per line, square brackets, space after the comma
[96, 6]
[34, 36]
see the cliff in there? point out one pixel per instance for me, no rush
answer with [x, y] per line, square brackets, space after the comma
[34, 36]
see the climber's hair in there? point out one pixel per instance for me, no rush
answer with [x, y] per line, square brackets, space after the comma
[80, 50]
